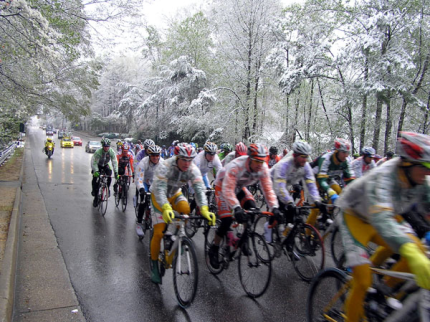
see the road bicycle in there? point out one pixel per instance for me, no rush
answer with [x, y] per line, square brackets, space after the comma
[249, 249]
[300, 242]
[121, 195]
[258, 195]
[147, 219]
[178, 252]
[406, 303]
[103, 194]
[192, 226]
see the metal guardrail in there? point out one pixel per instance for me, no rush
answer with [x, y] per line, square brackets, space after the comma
[6, 153]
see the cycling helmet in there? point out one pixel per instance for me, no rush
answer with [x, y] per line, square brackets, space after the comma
[193, 145]
[342, 145]
[241, 148]
[257, 152]
[414, 147]
[154, 149]
[105, 142]
[301, 147]
[227, 147]
[390, 154]
[186, 151]
[176, 150]
[139, 142]
[125, 147]
[210, 147]
[49, 139]
[147, 143]
[119, 143]
[273, 150]
[175, 142]
[368, 151]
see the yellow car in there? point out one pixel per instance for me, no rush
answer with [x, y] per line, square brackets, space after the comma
[66, 142]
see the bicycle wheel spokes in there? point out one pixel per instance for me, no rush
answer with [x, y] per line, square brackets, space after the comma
[255, 268]
[327, 295]
[259, 229]
[308, 252]
[185, 273]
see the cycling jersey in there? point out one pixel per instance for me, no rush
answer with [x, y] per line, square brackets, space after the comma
[238, 175]
[377, 199]
[222, 155]
[145, 170]
[205, 166]
[139, 157]
[101, 159]
[229, 157]
[271, 162]
[360, 167]
[168, 180]
[329, 166]
[123, 162]
[285, 173]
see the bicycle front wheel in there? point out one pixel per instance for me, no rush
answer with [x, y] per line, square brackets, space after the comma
[308, 252]
[103, 202]
[259, 229]
[255, 267]
[336, 246]
[185, 273]
[124, 198]
[327, 295]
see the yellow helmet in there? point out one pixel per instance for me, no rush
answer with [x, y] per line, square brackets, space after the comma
[49, 139]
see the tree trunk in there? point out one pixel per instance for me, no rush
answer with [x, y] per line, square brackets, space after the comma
[307, 134]
[364, 103]
[293, 135]
[388, 127]
[426, 116]
[325, 110]
[377, 129]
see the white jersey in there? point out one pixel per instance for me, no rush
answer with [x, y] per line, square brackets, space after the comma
[144, 172]
[205, 166]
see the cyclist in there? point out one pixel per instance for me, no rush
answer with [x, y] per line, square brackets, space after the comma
[171, 149]
[100, 163]
[331, 164]
[239, 150]
[226, 148]
[364, 163]
[142, 153]
[49, 142]
[389, 156]
[284, 152]
[138, 147]
[232, 196]
[144, 176]
[371, 206]
[207, 160]
[118, 146]
[166, 196]
[273, 157]
[290, 171]
[164, 154]
[125, 164]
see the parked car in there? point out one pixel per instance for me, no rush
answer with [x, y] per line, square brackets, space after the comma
[66, 142]
[49, 132]
[111, 136]
[76, 141]
[92, 146]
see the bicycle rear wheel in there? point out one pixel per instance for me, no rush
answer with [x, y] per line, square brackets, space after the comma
[118, 196]
[308, 251]
[185, 273]
[255, 268]
[209, 237]
[326, 296]
[103, 201]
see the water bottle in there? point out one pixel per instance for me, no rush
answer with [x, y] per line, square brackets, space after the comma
[267, 232]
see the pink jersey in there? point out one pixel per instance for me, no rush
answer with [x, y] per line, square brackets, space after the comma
[237, 175]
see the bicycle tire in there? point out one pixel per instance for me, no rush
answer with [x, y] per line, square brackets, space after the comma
[118, 195]
[308, 255]
[124, 198]
[255, 269]
[258, 228]
[336, 246]
[209, 237]
[326, 296]
[103, 201]
[185, 281]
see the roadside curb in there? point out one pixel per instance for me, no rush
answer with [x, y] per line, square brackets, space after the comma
[7, 277]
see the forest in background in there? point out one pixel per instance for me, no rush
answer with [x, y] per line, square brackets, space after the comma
[231, 70]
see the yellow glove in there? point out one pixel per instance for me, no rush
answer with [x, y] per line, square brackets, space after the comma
[418, 263]
[210, 216]
[168, 213]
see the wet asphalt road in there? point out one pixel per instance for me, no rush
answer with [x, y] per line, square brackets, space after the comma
[109, 266]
